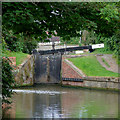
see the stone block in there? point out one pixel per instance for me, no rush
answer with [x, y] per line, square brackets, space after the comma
[98, 84]
[116, 80]
[111, 85]
[116, 86]
[103, 84]
[87, 83]
[80, 84]
[93, 83]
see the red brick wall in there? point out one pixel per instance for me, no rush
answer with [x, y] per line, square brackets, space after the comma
[12, 61]
[68, 71]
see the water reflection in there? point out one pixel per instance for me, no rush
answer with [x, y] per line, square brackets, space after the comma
[47, 106]
[59, 102]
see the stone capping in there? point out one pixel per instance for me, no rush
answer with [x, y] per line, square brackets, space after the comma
[74, 56]
[74, 68]
[102, 79]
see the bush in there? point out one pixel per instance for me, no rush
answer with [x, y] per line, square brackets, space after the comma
[4, 45]
[72, 40]
[7, 80]
[111, 43]
[90, 38]
[18, 42]
[29, 45]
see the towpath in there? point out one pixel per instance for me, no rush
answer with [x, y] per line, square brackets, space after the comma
[111, 62]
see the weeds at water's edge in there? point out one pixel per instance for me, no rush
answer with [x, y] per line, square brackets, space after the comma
[92, 88]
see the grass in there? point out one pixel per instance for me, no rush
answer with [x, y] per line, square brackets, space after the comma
[91, 67]
[117, 59]
[105, 62]
[102, 51]
[20, 57]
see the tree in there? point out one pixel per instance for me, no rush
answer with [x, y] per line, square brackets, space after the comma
[7, 80]
[66, 18]
[35, 18]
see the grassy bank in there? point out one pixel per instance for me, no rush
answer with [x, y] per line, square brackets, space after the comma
[91, 67]
[102, 51]
[20, 57]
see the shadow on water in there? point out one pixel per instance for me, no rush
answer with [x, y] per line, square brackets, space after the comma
[53, 101]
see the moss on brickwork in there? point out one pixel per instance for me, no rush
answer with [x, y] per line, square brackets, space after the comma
[22, 86]
[26, 73]
[31, 82]
[21, 77]
[29, 66]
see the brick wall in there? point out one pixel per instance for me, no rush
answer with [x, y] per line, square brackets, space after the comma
[12, 61]
[90, 81]
[68, 71]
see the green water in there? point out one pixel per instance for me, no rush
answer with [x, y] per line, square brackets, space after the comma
[61, 102]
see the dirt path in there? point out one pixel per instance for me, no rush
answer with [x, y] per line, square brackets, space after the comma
[108, 58]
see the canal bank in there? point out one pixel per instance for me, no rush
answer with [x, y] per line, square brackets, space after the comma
[99, 83]
[73, 76]
[70, 76]
[62, 100]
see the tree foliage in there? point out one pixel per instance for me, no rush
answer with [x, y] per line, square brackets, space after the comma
[66, 18]
[33, 19]
[7, 80]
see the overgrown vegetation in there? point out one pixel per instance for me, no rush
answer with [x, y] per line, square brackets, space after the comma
[7, 80]
[18, 42]
[71, 41]
[111, 43]
[37, 18]
[91, 67]
[20, 56]
[102, 51]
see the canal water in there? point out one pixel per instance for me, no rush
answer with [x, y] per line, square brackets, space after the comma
[62, 102]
